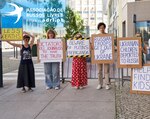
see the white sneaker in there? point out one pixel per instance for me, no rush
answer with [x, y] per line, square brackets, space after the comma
[99, 87]
[81, 87]
[47, 88]
[56, 88]
[107, 87]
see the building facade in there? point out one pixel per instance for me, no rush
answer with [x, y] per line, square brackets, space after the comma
[126, 17]
[90, 10]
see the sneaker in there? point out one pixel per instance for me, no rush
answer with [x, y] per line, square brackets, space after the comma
[81, 87]
[99, 87]
[23, 90]
[30, 89]
[56, 88]
[47, 88]
[107, 87]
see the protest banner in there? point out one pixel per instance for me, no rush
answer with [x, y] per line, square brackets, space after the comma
[140, 82]
[129, 53]
[78, 48]
[103, 48]
[11, 30]
[51, 50]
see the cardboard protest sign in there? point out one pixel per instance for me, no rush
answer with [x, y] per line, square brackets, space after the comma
[51, 50]
[103, 48]
[129, 53]
[12, 30]
[78, 48]
[140, 82]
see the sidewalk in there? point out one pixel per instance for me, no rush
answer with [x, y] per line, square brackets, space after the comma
[131, 106]
[66, 103]
[11, 63]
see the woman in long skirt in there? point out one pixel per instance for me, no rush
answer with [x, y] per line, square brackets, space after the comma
[79, 70]
[26, 76]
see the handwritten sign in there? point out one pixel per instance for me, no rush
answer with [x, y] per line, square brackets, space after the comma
[129, 52]
[103, 48]
[141, 80]
[51, 50]
[12, 30]
[78, 48]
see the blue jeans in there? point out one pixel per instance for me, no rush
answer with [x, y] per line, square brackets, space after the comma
[52, 75]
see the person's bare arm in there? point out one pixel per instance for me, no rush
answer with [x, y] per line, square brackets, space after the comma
[14, 44]
[144, 50]
[91, 46]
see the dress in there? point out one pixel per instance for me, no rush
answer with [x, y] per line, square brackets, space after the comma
[26, 76]
[79, 72]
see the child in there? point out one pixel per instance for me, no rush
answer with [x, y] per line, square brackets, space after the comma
[26, 76]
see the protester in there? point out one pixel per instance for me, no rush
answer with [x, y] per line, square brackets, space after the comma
[101, 27]
[52, 74]
[79, 70]
[26, 75]
[144, 48]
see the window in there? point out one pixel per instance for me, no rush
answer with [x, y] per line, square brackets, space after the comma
[143, 28]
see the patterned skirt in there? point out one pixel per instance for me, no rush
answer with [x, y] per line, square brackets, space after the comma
[79, 72]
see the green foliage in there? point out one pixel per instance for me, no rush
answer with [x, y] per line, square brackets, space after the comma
[72, 22]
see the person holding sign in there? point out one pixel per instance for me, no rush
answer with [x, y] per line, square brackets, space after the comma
[101, 27]
[144, 48]
[52, 76]
[79, 70]
[26, 75]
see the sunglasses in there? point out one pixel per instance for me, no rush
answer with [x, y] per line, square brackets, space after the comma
[26, 39]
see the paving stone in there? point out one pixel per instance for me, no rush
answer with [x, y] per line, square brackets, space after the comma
[131, 106]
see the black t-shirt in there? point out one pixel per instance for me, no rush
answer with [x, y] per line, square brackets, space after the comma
[26, 57]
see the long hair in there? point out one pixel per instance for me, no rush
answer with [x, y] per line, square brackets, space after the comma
[50, 31]
[78, 35]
